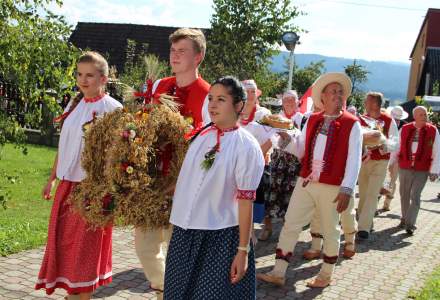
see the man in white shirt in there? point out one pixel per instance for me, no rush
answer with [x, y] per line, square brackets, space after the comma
[374, 166]
[330, 146]
[187, 51]
[399, 115]
[419, 158]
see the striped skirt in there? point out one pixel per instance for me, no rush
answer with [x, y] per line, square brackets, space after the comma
[198, 266]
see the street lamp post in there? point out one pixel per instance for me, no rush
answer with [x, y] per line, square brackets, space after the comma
[290, 39]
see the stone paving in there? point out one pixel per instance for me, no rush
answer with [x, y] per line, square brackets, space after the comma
[385, 267]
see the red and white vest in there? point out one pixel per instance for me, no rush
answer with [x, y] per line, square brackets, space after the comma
[336, 152]
[422, 159]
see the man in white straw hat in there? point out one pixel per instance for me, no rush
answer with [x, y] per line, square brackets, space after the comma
[375, 163]
[399, 115]
[330, 147]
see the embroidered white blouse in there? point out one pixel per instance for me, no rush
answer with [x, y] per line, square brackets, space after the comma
[71, 141]
[207, 199]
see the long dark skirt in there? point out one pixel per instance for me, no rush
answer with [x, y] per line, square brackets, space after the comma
[261, 196]
[198, 266]
[284, 170]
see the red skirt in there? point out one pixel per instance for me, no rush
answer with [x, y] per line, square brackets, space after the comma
[77, 258]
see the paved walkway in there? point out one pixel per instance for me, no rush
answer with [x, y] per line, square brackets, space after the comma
[386, 267]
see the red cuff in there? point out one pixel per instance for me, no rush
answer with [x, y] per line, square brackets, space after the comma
[246, 195]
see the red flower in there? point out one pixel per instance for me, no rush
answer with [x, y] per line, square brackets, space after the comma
[124, 166]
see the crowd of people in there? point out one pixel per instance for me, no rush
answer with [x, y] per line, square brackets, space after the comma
[238, 172]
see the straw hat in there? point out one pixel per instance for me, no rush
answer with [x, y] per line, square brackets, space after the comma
[397, 112]
[326, 79]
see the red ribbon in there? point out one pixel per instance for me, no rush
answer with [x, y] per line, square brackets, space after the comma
[250, 118]
[61, 117]
[220, 133]
[148, 94]
[193, 132]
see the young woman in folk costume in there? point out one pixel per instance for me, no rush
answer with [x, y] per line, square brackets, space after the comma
[210, 255]
[77, 259]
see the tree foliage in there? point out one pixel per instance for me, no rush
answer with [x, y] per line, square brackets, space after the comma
[358, 75]
[243, 37]
[37, 59]
[35, 54]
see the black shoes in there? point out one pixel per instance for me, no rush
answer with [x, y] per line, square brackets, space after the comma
[363, 235]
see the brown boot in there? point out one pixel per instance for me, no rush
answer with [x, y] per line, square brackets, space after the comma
[311, 254]
[269, 278]
[318, 282]
[348, 253]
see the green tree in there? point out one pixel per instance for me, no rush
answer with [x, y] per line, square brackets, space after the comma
[304, 78]
[243, 35]
[38, 60]
[358, 75]
[35, 54]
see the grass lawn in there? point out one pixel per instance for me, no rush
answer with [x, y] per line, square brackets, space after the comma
[23, 225]
[431, 290]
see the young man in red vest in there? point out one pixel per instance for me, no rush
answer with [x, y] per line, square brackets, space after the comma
[330, 146]
[187, 51]
[374, 167]
[419, 158]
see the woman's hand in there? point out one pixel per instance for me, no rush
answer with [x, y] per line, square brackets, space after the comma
[48, 189]
[239, 266]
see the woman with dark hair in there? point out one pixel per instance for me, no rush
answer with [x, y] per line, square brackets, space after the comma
[210, 255]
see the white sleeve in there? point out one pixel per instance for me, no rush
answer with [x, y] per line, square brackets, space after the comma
[298, 119]
[155, 85]
[354, 158]
[435, 165]
[395, 154]
[393, 138]
[205, 113]
[249, 168]
[297, 144]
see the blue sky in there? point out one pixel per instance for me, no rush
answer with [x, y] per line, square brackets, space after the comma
[370, 30]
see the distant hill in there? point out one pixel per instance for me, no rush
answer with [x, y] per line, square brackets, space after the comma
[390, 78]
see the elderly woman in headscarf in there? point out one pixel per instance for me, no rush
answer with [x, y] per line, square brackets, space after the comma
[284, 169]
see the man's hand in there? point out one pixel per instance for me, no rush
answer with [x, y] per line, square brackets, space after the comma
[343, 200]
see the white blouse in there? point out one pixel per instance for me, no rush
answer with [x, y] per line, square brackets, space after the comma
[260, 132]
[71, 141]
[296, 118]
[260, 113]
[207, 199]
